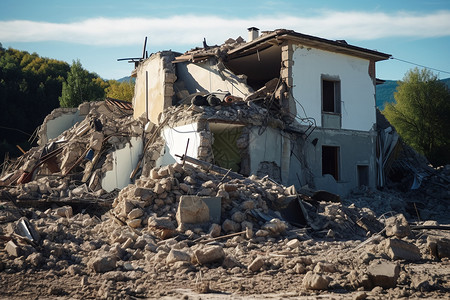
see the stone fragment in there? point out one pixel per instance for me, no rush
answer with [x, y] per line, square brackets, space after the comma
[96, 141]
[13, 249]
[192, 210]
[438, 247]
[399, 249]
[177, 255]
[230, 262]
[238, 217]
[313, 281]
[256, 264]
[383, 273]
[230, 226]
[397, 226]
[135, 223]
[36, 259]
[294, 243]
[214, 230]
[135, 213]
[324, 268]
[64, 211]
[209, 254]
[102, 264]
[275, 226]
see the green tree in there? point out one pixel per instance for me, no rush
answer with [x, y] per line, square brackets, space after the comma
[120, 90]
[81, 86]
[421, 114]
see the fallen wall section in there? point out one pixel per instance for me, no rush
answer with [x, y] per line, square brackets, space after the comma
[124, 162]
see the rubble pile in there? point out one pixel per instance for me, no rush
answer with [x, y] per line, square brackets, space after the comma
[190, 228]
[71, 166]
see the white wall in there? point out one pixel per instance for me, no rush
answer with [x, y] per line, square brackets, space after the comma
[270, 146]
[60, 124]
[357, 88]
[125, 160]
[176, 141]
[205, 77]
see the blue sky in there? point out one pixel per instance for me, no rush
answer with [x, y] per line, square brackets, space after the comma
[100, 32]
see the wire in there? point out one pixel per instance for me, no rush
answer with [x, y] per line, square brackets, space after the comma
[422, 66]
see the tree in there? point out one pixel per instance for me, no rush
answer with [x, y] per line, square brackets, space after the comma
[120, 90]
[421, 114]
[81, 86]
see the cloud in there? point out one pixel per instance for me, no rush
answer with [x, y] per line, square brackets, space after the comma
[191, 29]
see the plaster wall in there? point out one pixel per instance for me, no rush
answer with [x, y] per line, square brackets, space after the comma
[206, 77]
[176, 141]
[270, 146]
[61, 123]
[125, 161]
[357, 88]
[156, 79]
[355, 148]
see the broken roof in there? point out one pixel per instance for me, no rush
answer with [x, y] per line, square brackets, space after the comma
[280, 35]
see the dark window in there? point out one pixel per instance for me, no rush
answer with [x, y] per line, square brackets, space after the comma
[331, 95]
[330, 161]
[363, 175]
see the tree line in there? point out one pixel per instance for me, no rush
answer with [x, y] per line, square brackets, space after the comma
[32, 86]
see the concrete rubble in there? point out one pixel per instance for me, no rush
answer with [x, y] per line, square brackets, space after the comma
[171, 229]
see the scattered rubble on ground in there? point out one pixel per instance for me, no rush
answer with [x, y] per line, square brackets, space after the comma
[184, 229]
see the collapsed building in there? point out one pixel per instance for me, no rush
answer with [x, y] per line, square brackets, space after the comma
[298, 108]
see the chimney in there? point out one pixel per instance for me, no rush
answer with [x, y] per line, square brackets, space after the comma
[253, 33]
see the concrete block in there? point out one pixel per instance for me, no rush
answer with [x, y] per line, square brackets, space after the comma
[64, 211]
[135, 213]
[399, 249]
[209, 254]
[256, 264]
[13, 249]
[177, 255]
[384, 273]
[102, 264]
[313, 281]
[192, 210]
[438, 247]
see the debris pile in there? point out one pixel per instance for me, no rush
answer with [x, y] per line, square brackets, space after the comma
[192, 227]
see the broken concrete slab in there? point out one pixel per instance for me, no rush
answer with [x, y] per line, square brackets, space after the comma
[400, 249]
[209, 254]
[384, 273]
[192, 210]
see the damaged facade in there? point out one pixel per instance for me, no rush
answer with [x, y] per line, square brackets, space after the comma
[298, 108]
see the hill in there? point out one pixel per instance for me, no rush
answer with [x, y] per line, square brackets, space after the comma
[385, 92]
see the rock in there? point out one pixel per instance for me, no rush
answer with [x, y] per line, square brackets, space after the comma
[438, 247]
[275, 226]
[13, 249]
[36, 259]
[177, 255]
[135, 213]
[209, 254]
[399, 249]
[383, 273]
[256, 264]
[299, 268]
[293, 244]
[135, 223]
[102, 264]
[64, 211]
[324, 268]
[214, 230]
[238, 217]
[230, 226]
[397, 226]
[313, 281]
[192, 210]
